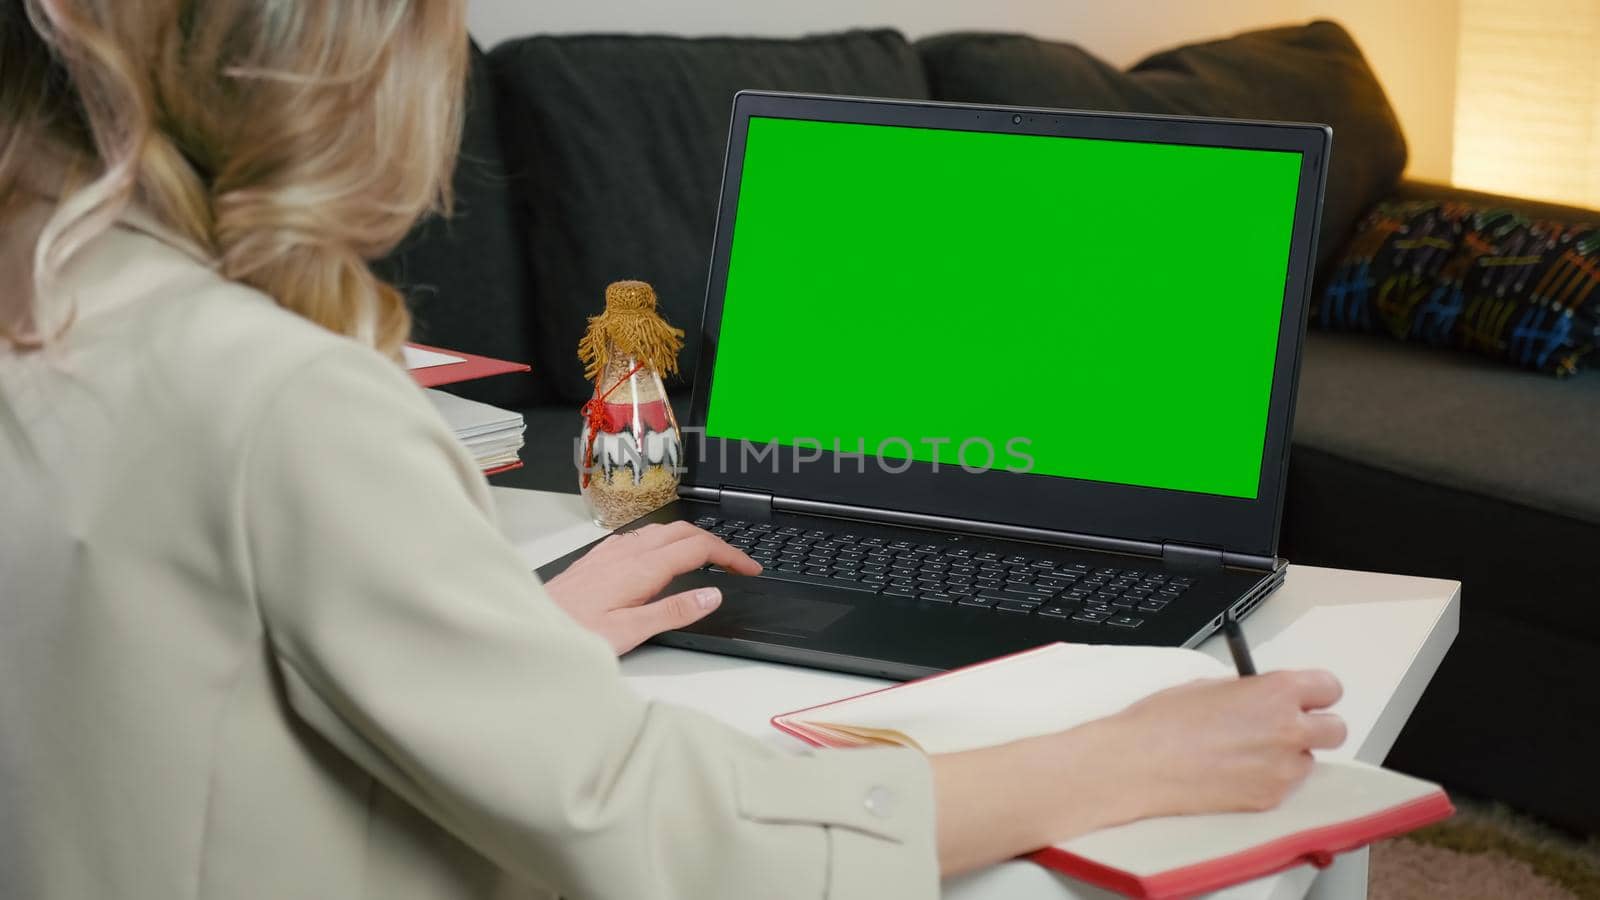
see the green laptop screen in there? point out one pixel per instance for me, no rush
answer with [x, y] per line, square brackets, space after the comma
[1090, 309]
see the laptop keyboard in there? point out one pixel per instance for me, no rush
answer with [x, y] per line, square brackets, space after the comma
[953, 575]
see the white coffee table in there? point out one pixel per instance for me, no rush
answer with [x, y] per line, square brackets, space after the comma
[1383, 635]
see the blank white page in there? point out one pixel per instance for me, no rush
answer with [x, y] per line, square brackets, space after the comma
[1049, 689]
[418, 358]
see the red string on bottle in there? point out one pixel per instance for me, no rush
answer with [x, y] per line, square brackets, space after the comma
[594, 412]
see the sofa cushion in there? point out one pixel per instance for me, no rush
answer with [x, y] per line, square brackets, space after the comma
[465, 276]
[1311, 73]
[1455, 420]
[1482, 278]
[620, 141]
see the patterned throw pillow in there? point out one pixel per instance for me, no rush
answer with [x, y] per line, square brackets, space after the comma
[1487, 280]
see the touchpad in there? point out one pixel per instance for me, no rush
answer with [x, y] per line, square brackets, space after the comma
[755, 610]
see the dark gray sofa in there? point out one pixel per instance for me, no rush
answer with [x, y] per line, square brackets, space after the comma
[594, 158]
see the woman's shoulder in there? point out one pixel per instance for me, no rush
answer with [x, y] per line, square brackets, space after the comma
[187, 315]
[157, 323]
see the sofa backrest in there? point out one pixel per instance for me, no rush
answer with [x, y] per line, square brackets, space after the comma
[466, 277]
[618, 145]
[593, 158]
[1310, 73]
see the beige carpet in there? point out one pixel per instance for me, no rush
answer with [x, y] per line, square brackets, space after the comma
[1485, 853]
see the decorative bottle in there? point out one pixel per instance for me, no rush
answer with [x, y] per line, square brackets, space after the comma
[630, 451]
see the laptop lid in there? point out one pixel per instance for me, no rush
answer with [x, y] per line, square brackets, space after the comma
[1083, 323]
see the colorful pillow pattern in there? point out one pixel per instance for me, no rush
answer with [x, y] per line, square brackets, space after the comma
[1480, 279]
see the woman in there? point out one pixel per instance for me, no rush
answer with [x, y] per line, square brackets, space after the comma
[259, 636]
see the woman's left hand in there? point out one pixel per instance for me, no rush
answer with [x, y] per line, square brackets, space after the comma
[609, 589]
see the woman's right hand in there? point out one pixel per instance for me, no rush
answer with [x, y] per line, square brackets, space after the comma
[1227, 745]
[1209, 746]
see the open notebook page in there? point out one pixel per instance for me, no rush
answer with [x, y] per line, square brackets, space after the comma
[1048, 689]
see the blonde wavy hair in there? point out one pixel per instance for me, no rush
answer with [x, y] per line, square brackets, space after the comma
[292, 141]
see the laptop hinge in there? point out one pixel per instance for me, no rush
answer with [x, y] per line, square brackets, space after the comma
[743, 504]
[1191, 556]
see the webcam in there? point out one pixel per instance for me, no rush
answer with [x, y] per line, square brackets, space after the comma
[1016, 120]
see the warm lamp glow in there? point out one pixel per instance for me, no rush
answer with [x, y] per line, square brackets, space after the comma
[1528, 99]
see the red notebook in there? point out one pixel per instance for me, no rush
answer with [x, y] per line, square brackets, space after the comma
[432, 367]
[1342, 805]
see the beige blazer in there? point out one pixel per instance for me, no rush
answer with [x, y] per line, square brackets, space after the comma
[260, 637]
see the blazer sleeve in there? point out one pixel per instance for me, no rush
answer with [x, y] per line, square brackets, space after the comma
[412, 636]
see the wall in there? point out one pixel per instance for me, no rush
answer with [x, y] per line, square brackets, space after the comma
[1412, 43]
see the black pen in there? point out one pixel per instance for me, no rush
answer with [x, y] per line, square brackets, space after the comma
[1237, 646]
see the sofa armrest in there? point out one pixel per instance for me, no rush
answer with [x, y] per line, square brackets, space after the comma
[1533, 209]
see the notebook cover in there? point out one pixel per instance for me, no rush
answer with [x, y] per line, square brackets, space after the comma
[473, 367]
[1316, 846]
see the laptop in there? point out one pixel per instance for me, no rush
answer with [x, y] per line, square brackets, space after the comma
[979, 378]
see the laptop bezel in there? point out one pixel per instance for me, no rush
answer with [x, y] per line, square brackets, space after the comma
[1153, 515]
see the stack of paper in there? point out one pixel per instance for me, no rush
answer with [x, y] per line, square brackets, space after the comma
[492, 435]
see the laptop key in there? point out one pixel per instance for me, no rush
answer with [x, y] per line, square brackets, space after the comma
[1004, 596]
[936, 597]
[899, 592]
[1151, 606]
[1056, 612]
[977, 601]
[1012, 606]
[1091, 615]
[802, 578]
[1125, 621]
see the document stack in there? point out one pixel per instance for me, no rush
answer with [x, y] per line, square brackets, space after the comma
[492, 435]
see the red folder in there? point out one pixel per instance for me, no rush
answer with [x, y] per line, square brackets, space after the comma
[471, 367]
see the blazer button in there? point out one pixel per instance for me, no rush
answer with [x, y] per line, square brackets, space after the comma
[880, 802]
